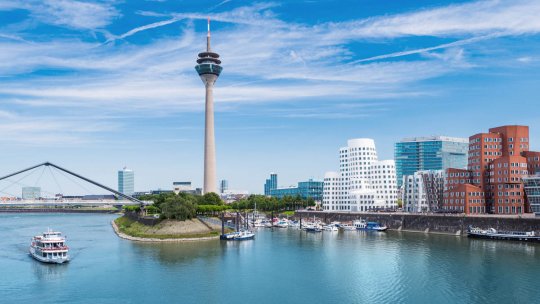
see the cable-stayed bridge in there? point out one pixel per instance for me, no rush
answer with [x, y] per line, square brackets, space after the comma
[123, 199]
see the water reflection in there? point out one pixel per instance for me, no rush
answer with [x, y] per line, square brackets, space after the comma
[48, 272]
[494, 246]
[178, 252]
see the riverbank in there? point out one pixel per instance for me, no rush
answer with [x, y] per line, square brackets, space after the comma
[165, 231]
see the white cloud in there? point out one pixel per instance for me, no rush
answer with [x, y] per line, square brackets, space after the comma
[265, 59]
[66, 13]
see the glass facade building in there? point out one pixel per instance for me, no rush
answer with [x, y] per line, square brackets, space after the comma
[308, 189]
[270, 183]
[223, 186]
[429, 153]
[531, 185]
[126, 181]
[30, 193]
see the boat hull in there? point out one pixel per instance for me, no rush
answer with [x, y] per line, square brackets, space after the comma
[244, 238]
[505, 237]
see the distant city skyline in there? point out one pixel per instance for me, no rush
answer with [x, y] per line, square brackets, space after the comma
[94, 86]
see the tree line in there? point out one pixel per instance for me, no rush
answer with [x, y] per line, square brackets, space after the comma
[184, 206]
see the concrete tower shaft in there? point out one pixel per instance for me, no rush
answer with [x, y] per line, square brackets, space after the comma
[208, 67]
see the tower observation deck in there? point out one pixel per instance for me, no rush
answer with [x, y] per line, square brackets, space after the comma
[208, 67]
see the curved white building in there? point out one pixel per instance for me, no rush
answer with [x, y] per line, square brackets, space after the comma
[363, 183]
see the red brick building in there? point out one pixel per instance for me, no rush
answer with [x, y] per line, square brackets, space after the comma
[492, 183]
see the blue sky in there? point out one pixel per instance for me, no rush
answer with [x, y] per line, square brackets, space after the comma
[96, 85]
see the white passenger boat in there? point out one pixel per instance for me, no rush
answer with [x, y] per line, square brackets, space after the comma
[50, 247]
[492, 233]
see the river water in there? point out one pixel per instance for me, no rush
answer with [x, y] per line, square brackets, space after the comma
[280, 266]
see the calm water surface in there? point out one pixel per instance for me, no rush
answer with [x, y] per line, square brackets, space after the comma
[283, 266]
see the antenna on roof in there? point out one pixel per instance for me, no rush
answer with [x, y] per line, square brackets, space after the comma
[208, 37]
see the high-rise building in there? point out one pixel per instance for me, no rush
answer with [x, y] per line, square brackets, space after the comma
[270, 183]
[126, 181]
[493, 182]
[208, 67]
[429, 153]
[307, 189]
[363, 183]
[423, 191]
[223, 186]
[30, 193]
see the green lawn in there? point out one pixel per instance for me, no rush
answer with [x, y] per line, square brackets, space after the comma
[136, 229]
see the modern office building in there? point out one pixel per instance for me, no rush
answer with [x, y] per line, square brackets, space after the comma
[223, 186]
[181, 187]
[208, 67]
[30, 193]
[423, 191]
[307, 189]
[531, 185]
[126, 181]
[270, 183]
[429, 153]
[363, 183]
[493, 181]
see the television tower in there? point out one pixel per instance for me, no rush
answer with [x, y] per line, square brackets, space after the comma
[208, 67]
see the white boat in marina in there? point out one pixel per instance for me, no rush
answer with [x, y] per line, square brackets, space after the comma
[259, 223]
[347, 227]
[283, 223]
[363, 225]
[312, 227]
[330, 228]
[244, 235]
[50, 247]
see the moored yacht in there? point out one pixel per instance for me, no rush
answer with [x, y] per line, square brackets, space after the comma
[492, 233]
[363, 225]
[283, 223]
[50, 247]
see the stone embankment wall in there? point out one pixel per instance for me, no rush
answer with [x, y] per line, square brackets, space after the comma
[435, 223]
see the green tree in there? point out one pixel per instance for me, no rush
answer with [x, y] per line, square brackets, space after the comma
[180, 207]
[211, 198]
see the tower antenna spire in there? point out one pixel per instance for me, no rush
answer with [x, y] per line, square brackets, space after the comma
[208, 37]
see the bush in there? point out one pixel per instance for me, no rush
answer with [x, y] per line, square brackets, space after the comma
[132, 208]
[151, 209]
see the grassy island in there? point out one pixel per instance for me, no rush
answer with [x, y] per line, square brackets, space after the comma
[178, 213]
[167, 229]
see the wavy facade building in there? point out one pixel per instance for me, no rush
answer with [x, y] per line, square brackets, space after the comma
[363, 182]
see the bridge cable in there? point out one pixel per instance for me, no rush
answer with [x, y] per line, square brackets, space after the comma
[74, 181]
[28, 185]
[54, 178]
[39, 178]
[17, 181]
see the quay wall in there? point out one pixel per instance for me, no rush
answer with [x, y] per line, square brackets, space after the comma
[430, 223]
